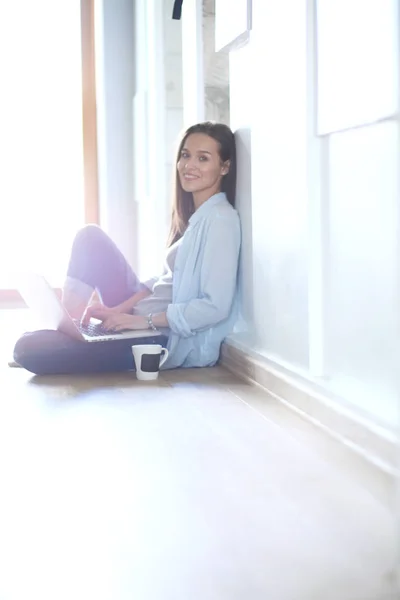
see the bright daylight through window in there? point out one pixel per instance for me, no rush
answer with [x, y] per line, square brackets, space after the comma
[41, 173]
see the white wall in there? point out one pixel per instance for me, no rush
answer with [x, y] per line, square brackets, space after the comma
[279, 179]
[115, 90]
[363, 303]
[320, 214]
[269, 115]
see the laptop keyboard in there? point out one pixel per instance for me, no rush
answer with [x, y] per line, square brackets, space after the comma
[95, 330]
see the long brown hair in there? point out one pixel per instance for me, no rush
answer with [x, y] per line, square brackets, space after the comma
[183, 206]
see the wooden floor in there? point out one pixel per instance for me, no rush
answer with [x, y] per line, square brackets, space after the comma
[197, 487]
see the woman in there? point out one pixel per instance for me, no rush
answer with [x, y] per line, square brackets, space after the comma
[193, 299]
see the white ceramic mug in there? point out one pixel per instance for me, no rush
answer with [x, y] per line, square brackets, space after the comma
[148, 360]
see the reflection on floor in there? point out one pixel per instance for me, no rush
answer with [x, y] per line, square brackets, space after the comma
[195, 487]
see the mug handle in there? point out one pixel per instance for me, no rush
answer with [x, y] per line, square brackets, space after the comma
[164, 358]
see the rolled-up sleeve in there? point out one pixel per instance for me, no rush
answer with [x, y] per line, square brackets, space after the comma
[218, 280]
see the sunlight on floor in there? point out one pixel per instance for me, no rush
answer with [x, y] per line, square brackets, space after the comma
[197, 486]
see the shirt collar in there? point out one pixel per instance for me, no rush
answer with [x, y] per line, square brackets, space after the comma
[206, 207]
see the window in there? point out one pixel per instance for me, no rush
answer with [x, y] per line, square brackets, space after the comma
[42, 186]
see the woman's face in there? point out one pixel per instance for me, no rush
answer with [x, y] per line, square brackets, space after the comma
[199, 166]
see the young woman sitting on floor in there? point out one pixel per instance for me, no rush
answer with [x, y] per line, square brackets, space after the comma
[192, 300]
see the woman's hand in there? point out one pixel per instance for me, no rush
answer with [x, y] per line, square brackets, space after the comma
[121, 321]
[97, 310]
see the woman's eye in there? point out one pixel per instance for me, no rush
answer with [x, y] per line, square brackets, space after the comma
[202, 158]
[184, 155]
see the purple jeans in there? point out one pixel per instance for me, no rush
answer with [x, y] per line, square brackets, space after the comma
[97, 261]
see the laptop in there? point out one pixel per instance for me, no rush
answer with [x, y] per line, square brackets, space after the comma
[43, 300]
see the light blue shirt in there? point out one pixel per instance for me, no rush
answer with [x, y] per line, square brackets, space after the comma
[203, 309]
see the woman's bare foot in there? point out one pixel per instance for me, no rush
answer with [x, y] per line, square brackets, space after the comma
[14, 365]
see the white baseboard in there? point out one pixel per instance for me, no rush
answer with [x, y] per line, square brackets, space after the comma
[375, 443]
